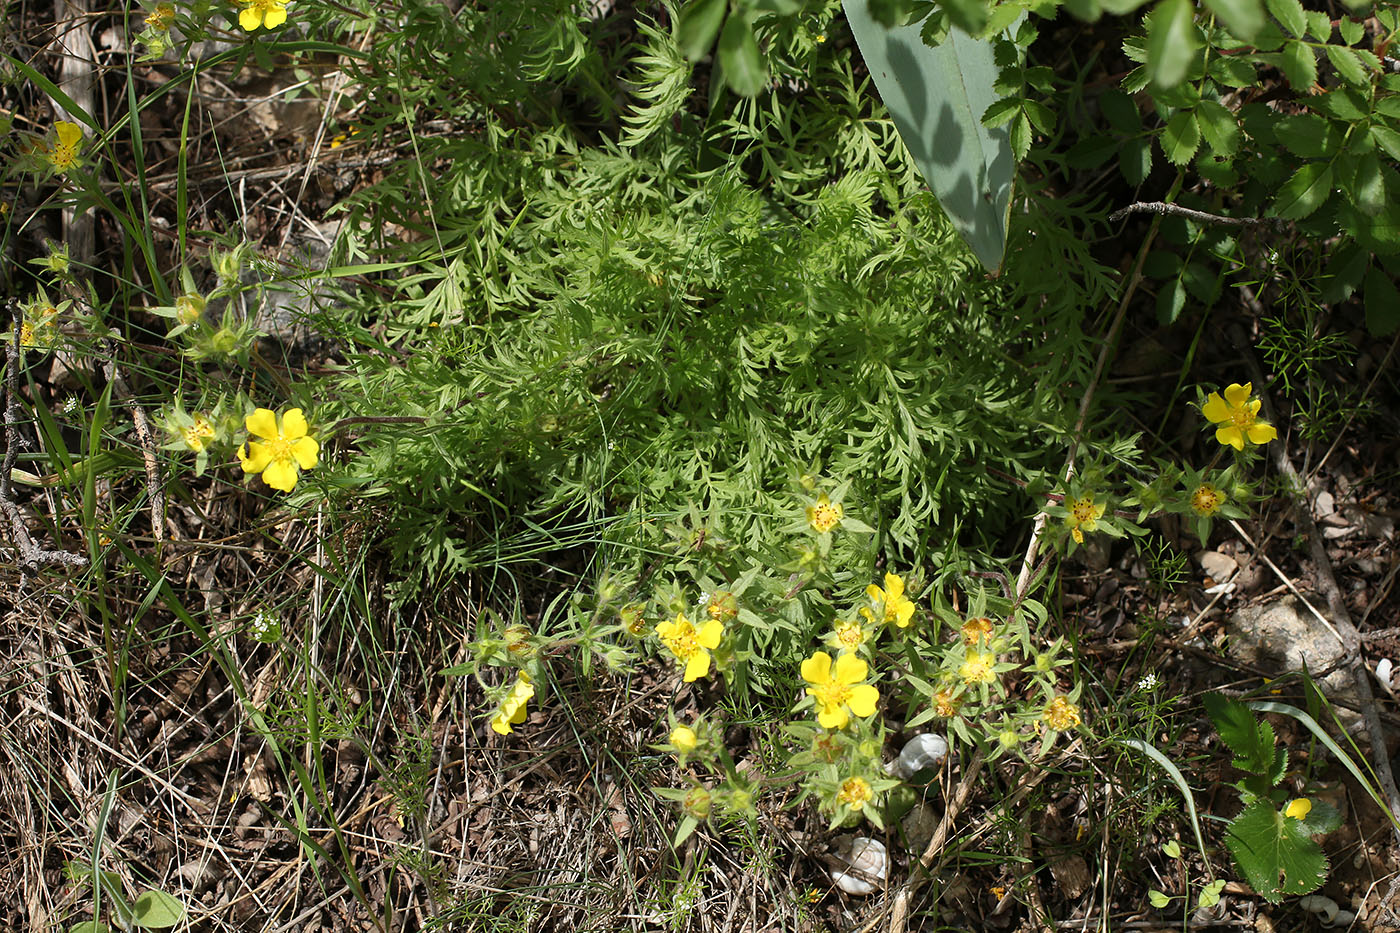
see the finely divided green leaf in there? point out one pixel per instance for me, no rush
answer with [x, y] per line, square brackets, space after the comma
[937, 97]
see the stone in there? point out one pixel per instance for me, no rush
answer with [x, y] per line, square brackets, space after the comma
[1283, 635]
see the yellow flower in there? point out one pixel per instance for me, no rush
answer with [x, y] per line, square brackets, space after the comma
[979, 668]
[945, 704]
[1083, 516]
[689, 644]
[282, 449]
[63, 154]
[722, 605]
[269, 13]
[847, 635]
[198, 434]
[633, 619]
[684, 739]
[839, 691]
[1238, 417]
[512, 711]
[1207, 500]
[974, 630]
[1060, 714]
[855, 792]
[824, 515]
[898, 608]
[1298, 809]
[161, 18]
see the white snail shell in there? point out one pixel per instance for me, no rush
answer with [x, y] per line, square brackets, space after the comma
[1324, 907]
[868, 864]
[921, 752]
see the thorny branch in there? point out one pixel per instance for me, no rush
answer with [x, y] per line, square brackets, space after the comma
[31, 556]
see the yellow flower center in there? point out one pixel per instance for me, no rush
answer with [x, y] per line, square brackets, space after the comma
[682, 641]
[63, 157]
[161, 18]
[978, 669]
[850, 635]
[825, 516]
[1083, 510]
[974, 630]
[831, 695]
[26, 334]
[854, 793]
[280, 449]
[1061, 714]
[1206, 500]
[945, 704]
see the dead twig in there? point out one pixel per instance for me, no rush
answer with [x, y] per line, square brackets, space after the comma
[1176, 210]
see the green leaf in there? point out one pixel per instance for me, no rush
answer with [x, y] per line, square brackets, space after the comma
[1210, 894]
[156, 910]
[1344, 104]
[1251, 740]
[1219, 127]
[1343, 273]
[1307, 135]
[1299, 64]
[937, 97]
[1244, 18]
[1382, 303]
[1233, 70]
[738, 52]
[1181, 138]
[1319, 24]
[779, 7]
[1002, 112]
[1172, 41]
[1348, 65]
[1274, 853]
[1041, 116]
[1305, 192]
[1290, 14]
[1171, 301]
[1387, 139]
[1172, 849]
[1366, 187]
[1158, 899]
[1352, 30]
[1091, 152]
[1121, 111]
[968, 15]
[1021, 137]
[1135, 160]
[699, 23]
[89, 926]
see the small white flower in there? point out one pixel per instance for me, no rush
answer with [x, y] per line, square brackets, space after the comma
[265, 628]
[70, 406]
[1148, 683]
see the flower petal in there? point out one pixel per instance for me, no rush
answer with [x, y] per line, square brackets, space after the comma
[903, 614]
[250, 19]
[281, 474]
[863, 699]
[711, 634]
[1230, 435]
[850, 669]
[665, 629]
[1262, 432]
[1215, 408]
[817, 668]
[498, 722]
[256, 459]
[894, 587]
[293, 421]
[275, 17]
[263, 423]
[69, 134]
[1237, 394]
[834, 718]
[698, 666]
[305, 449]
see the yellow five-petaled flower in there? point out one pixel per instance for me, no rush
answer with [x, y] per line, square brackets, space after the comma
[1207, 500]
[281, 451]
[63, 154]
[1060, 714]
[269, 13]
[512, 711]
[855, 792]
[690, 645]
[840, 689]
[1238, 417]
[899, 609]
[1083, 516]
[824, 515]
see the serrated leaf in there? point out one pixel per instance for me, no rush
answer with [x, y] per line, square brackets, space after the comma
[937, 98]
[1382, 303]
[1380, 233]
[1219, 127]
[1021, 137]
[1172, 41]
[1244, 18]
[1347, 65]
[1239, 730]
[743, 63]
[1002, 112]
[1307, 135]
[1387, 139]
[1233, 70]
[156, 910]
[1041, 116]
[1352, 30]
[1342, 105]
[1181, 137]
[1290, 15]
[1319, 25]
[1091, 152]
[1299, 64]
[1121, 112]
[1171, 301]
[1367, 185]
[1305, 192]
[1274, 853]
[1345, 269]
[698, 26]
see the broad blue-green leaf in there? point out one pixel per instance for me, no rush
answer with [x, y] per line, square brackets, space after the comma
[1172, 41]
[1305, 191]
[156, 910]
[937, 98]
[738, 51]
[1244, 17]
[699, 24]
